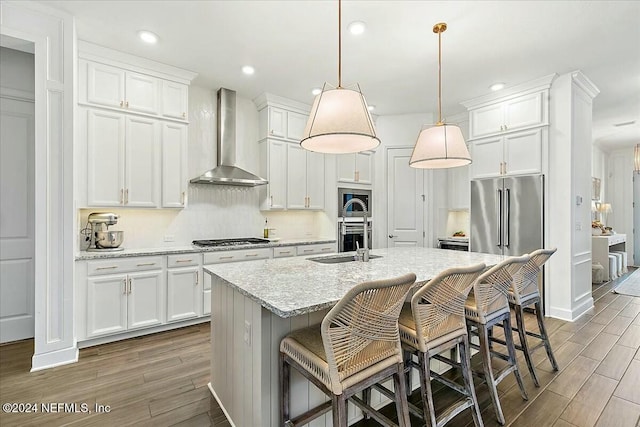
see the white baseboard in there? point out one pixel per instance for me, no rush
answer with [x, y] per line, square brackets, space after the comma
[54, 358]
[215, 396]
[574, 314]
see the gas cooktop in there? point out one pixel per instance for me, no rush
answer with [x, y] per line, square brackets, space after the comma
[230, 242]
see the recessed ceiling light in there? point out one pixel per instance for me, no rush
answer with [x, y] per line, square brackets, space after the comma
[496, 86]
[148, 37]
[371, 107]
[248, 70]
[316, 91]
[357, 27]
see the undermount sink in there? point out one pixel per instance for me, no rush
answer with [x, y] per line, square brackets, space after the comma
[338, 259]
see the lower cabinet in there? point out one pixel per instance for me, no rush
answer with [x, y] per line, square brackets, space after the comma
[184, 293]
[116, 303]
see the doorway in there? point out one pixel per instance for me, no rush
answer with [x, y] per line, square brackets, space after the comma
[17, 200]
[406, 200]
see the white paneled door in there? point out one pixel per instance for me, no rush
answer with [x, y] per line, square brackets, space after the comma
[17, 127]
[406, 200]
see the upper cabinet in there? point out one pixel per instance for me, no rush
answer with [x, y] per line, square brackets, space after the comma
[305, 178]
[281, 118]
[508, 132]
[134, 121]
[355, 168]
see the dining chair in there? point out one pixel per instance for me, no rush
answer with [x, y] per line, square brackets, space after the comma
[487, 306]
[356, 345]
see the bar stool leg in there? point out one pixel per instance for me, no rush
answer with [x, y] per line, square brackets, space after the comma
[285, 370]
[366, 398]
[465, 362]
[525, 345]
[511, 348]
[408, 357]
[545, 337]
[402, 406]
[425, 389]
[339, 404]
[483, 334]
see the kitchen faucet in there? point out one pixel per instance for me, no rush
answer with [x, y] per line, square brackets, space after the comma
[362, 254]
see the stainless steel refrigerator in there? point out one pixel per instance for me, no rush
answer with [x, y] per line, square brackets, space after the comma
[507, 215]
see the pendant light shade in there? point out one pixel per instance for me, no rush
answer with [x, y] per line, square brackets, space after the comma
[442, 145]
[339, 121]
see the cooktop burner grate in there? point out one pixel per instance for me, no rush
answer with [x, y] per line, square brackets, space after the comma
[230, 242]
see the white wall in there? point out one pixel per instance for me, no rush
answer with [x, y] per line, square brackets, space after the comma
[620, 195]
[17, 70]
[213, 211]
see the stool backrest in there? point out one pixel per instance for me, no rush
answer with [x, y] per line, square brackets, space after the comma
[362, 328]
[438, 306]
[525, 282]
[491, 288]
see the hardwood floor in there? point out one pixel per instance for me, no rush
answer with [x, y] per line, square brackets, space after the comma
[161, 379]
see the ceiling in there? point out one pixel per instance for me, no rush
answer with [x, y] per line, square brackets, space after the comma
[293, 47]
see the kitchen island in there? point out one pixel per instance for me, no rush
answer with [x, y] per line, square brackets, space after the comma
[256, 303]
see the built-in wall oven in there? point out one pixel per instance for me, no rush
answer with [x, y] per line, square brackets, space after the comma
[353, 229]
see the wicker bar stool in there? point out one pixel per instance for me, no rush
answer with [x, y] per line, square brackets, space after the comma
[523, 293]
[435, 322]
[356, 346]
[488, 306]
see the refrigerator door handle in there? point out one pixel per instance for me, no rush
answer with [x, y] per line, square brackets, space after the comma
[507, 216]
[499, 216]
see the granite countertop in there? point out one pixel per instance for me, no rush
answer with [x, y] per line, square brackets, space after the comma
[293, 286]
[84, 255]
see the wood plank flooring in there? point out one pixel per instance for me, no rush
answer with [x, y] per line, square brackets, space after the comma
[161, 379]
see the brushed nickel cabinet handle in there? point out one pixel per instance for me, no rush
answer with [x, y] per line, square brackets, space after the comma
[126, 196]
[271, 201]
[121, 103]
[107, 268]
[226, 257]
[251, 255]
[184, 115]
[307, 250]
[285, 252]
[325, 249]
[182, 198]
[122, 196]
[196, 278]
[126, 104]
[129, 292]
[184, 260]
[143, 264]
[125, 285]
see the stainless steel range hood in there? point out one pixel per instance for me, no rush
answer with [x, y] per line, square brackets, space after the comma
[227, 173]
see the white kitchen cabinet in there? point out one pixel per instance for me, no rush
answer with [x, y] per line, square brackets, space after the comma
[273, 166]
[174, 165]
[117, 88]
[515, 113]
[459, 188]
[355, 168]
[280, 123]
[122, 160]
[175, 100]
[319, 248]
[514, 153]
[305, 178]
[184, 293]
[122, 295]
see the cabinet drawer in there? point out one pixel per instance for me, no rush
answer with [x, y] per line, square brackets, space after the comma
[122, 265]
[284, 252]
[239, 255]
[316, 249]
[183, 260]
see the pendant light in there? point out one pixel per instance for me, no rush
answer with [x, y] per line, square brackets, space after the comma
[442, 145]
[339, 121]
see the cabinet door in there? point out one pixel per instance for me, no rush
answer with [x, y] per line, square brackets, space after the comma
[174, 165]
[277, 171]
[315, 180]
[459, 187]
[296, 123]
[106, 305]
[523, 152]
[145, 305]
[277, 122]
[487, 120]
[141, 93]
[175, 100]
[105, 158]
[184, 293]
[363, 167]
[296, 176]
[142, 162]
[346, 164]
[487, 155]
[105, 85]
[524, 111]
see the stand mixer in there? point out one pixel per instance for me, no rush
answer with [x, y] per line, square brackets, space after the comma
[98, 234]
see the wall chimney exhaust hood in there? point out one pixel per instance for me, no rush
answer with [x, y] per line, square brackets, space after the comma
[227, 173]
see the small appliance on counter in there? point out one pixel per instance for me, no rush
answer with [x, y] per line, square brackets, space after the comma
[97, 233]
[456, 243]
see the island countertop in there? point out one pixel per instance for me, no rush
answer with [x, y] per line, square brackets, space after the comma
[293, 286]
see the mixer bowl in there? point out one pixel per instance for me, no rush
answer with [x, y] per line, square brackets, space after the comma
[109, 239]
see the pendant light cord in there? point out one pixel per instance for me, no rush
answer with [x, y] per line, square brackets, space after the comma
[440, 76]
[339, 44]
